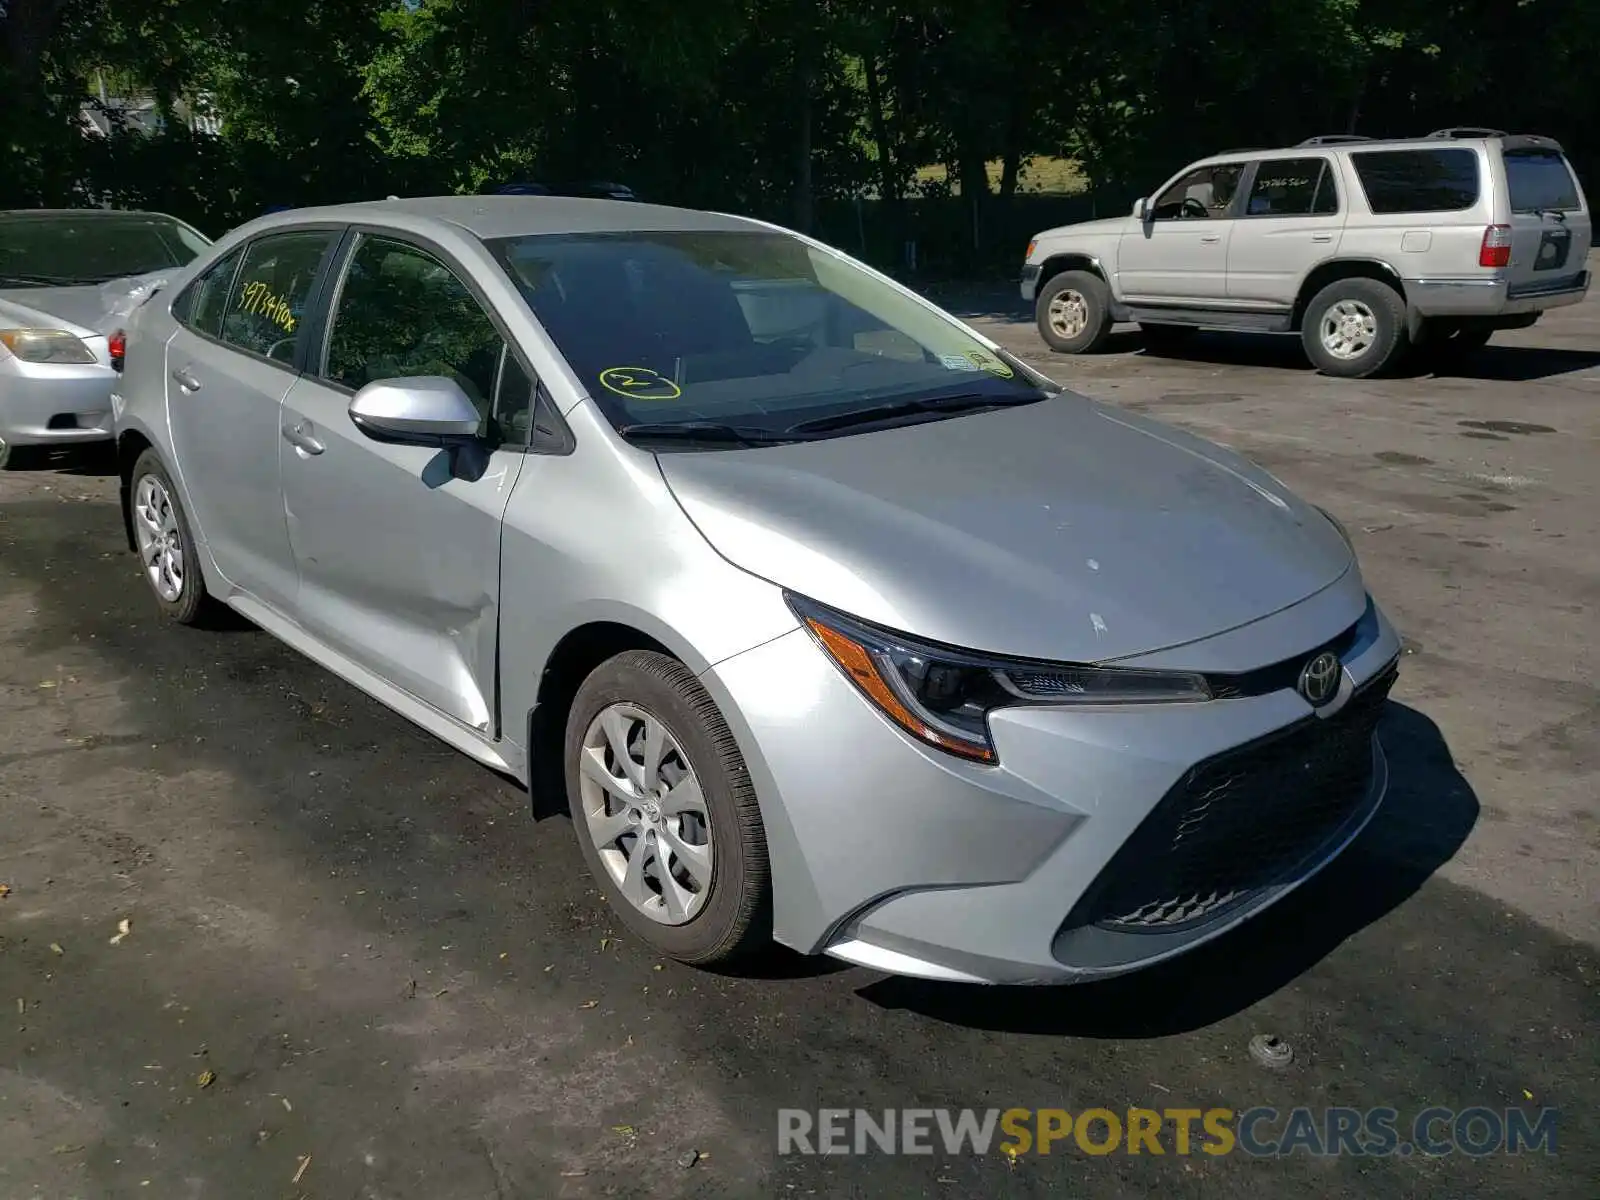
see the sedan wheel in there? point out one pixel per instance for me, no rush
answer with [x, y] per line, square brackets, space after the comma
[646, 815]
[166, 548]
[665, 811]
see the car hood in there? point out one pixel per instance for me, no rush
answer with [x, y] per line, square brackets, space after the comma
[85, 311]
[1061, 530]
[1103, 226]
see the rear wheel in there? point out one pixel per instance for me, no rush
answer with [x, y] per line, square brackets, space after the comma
[1074, 312]
[167, 556]
[1354, 328]
[665, 811]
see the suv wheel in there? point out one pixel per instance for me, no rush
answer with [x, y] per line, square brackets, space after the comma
[1074, 312]
[1354, 328]
[167, 555]
[665, 811]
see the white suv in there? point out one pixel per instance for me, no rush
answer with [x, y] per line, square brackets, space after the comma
[1363, 247]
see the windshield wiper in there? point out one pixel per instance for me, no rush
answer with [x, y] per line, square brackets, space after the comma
[703, 431]
[965, 402]
[27, 280]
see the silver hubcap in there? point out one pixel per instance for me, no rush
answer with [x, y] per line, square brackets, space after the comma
[1349, 328]
[155, 528]
[1068, 313]
[645, 813]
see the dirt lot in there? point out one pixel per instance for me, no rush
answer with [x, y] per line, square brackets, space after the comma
[355, 967]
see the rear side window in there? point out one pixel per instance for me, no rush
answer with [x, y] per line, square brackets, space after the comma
[1292, 187]
[201, 304]
[1418, 181]
[272, 291]
[1541, 180]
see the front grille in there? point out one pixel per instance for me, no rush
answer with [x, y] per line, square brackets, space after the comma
[1239, 822]
[1280, 675]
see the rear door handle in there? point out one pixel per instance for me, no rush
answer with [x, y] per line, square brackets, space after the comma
[299, 437]
[1212, 237]
[1322, 237]
[184, 379]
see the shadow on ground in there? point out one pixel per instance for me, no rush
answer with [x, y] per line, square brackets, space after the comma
[1427, 815]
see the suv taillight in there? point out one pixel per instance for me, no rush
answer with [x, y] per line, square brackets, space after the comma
[1496, 248]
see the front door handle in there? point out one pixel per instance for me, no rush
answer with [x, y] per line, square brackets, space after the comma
[185, 379]
[1322, 237]
[1211, 237]
[298, 437]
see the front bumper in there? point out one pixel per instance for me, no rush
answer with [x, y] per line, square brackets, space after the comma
[46, 404]
[897, 857]
[1487, 296]
[1030, 282]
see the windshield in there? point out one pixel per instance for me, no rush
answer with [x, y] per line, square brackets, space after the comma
[1540, 180]
[753, 329]
[73, 249]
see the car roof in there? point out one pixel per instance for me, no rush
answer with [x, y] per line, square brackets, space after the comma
[24, 214]
[1313, 146]
[489, 217]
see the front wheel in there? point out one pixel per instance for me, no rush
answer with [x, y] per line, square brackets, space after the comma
[1354, 328]
[665, 811]
[1074, 312]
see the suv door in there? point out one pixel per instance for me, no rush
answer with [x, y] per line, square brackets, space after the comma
[1290, 221]
[398, 557]
[229, 365]
[1179, 256]
[1550, 223]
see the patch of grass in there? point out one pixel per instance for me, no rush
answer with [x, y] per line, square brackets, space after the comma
[1041, 176]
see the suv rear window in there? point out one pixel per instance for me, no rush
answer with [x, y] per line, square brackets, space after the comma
[1540, 180]
[1412, 181]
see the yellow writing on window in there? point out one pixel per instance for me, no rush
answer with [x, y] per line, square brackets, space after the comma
[259, 298]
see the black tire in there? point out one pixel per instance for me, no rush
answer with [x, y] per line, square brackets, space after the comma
[1388, 334]
[735, 918]
[1095, 298]
[193, 603]
[1161, 338]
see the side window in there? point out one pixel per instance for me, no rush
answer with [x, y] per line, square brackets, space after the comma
[513, 401]
[271, 293]
[201, 304]
[1199, 194]
[401, 312]
[1416, 181]
[1292, 187]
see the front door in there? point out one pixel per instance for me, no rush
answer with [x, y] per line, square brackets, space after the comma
[1291, 220]
[229, 366]
[399, 555]
[1179, 256]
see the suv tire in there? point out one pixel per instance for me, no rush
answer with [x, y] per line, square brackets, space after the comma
[1074, 312]
[710, 840]
[1354, 328]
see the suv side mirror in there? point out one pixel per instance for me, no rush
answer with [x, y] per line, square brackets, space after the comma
[427, 410]
[1142, 209]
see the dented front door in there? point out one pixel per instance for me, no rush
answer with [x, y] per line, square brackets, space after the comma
[399, 560]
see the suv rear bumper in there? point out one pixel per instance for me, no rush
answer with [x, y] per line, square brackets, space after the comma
[1480, 297]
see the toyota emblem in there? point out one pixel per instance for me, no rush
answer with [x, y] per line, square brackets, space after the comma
[1319, 679]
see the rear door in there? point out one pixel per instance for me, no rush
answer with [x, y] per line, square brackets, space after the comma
[1550, 223]
[229, 366]
[1291, 220]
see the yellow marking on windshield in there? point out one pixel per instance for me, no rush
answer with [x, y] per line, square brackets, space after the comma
[985, 361]
[639, 383]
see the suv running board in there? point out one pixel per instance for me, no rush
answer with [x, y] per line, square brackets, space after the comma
[1211, 318]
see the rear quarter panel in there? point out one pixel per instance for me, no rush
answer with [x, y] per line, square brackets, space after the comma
[1439, 245]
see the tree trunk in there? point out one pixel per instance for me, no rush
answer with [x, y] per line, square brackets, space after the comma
[974, 174]
[888, 181]
[804, 205]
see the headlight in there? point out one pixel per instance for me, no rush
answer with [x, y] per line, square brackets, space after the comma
[944, 697]
[46, 346]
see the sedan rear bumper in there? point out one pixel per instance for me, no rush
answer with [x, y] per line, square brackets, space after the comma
[46, 404]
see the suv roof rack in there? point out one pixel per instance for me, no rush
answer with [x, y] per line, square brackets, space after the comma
[1329, 139]
[1468, 131]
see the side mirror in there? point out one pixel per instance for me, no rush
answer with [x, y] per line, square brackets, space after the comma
[1142, 209]
[428, 410]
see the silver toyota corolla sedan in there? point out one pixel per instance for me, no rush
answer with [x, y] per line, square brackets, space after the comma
[63, 272]
[836, 624]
